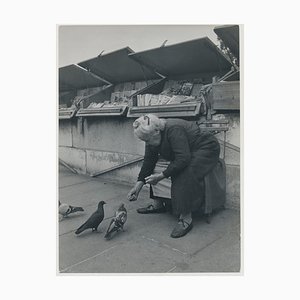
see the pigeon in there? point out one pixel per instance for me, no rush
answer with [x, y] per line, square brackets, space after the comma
[66, 209]
[94, 220]
[117, 222]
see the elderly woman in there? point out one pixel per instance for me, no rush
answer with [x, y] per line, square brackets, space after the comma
[192, 155]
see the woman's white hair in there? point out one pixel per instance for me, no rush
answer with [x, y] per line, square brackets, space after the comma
[147, 125]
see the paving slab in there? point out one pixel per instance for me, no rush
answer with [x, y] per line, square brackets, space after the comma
[87, 188]
[70, 180]
[66, 177]
[135, 256]
[89, 193]
[74, 248]
[88, 198]
[199, 237]
[223, 255]
[146, 245]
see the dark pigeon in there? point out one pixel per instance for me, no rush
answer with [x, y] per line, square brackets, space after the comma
[117, 222]
[94, 220]
[66, 209]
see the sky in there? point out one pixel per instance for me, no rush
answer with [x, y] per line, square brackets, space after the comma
[77, 43]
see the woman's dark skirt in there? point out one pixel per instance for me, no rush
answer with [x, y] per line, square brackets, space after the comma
[198, 180]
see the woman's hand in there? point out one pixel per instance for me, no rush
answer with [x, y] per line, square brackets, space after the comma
[134, 192]
[154, 178]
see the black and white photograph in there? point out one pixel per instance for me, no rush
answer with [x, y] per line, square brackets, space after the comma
[149, 149]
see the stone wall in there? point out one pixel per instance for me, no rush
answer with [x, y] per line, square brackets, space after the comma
[232, 157]
[94, 144]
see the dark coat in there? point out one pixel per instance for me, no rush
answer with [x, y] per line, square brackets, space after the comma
[192, 155]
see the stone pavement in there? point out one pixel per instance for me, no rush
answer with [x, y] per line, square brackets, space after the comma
[145, 246]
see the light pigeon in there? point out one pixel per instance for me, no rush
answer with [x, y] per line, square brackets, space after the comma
[65, 209]
[117, 222]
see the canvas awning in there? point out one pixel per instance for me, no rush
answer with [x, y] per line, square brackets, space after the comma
[229, 34]
[73, 77]
[117, 67]
[191, 57]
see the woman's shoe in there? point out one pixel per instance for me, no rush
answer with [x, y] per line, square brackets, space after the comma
[150, 209]
[181, 229]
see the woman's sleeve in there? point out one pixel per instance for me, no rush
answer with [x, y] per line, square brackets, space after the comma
[150, 160]
[180, 147]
